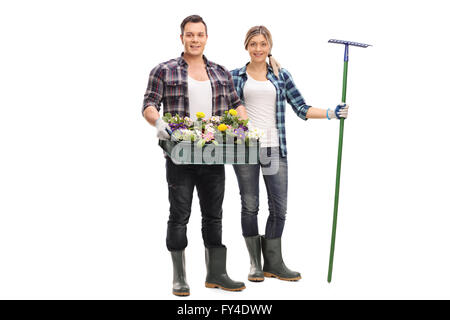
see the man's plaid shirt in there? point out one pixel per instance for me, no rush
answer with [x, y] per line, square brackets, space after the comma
[286, 90]
[168, 84]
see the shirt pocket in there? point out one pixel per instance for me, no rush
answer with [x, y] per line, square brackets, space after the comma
[174, 88]
[174, 92]
[223, 100]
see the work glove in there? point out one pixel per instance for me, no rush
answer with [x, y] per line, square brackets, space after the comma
[161, 130]
[341, 111]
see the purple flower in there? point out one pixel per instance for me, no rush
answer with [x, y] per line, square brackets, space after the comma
[176, 126]
[241, 126]
[240, 132]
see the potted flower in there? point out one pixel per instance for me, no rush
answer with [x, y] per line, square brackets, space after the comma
[217, 140]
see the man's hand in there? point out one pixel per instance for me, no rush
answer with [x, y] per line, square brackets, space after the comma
[161, 131]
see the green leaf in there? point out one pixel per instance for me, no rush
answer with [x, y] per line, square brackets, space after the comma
[201, 143]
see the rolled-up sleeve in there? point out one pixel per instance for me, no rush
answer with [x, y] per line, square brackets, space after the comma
[155, 89]
[294, 97]
[234, 98]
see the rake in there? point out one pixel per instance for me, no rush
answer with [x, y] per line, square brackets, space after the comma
[341, 138]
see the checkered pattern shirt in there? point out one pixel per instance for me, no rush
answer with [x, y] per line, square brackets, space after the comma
[168, 84]
[286, 91]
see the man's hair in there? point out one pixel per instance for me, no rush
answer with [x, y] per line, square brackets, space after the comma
[194, 18]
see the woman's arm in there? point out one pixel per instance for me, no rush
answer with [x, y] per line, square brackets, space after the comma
[242, 112]
[316, 113]
[295, 99]
[293, 95]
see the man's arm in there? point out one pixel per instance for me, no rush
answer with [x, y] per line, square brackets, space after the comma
[152, 100]
[151, 114]
[153, 95]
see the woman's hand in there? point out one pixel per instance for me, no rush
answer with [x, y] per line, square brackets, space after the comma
[341, 111]
[242, 112]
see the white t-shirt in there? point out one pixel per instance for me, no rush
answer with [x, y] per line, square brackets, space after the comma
[200, 98]
[260, 102]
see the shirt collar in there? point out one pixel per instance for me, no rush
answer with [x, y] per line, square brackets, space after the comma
[183, 62]
[243, 70]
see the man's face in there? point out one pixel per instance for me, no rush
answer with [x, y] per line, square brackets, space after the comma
[194, 38]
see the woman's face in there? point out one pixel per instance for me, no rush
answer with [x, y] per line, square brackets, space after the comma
[258, 48]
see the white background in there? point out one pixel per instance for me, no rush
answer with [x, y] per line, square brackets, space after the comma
[83, 195]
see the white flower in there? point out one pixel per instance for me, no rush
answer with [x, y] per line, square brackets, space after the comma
[188, 121]
[183, 134]
[255, 133]
[198, 134]
[210, 128]
[215, 119]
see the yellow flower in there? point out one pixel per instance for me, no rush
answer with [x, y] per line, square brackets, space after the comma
[222, 127]
[233, 112]
[200, 115]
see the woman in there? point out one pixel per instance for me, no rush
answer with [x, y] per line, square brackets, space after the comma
[264, 89]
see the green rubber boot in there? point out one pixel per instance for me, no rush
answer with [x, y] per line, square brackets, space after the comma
[274, 266]
[254, 250]
[216, 276]
[180, 286]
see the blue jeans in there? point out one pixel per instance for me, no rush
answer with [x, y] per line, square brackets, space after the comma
[210, 183]
[275, 173]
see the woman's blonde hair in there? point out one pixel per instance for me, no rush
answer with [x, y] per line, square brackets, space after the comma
[257, 30]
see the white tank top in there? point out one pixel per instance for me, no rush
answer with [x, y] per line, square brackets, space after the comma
[200, 98]
[260, 103]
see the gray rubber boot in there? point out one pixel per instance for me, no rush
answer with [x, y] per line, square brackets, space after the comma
[216, 276]
[273, 261]
[254, 250]
[180, 286]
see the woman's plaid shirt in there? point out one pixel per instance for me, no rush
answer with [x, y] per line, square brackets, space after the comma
[168, 84]
[286, 90]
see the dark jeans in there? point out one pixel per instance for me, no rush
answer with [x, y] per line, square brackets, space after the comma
[275, 174]
[210, 183]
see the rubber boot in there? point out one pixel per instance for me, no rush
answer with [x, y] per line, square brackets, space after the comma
[180, 286]
[216, 276]
[254, 250]
[273, 261]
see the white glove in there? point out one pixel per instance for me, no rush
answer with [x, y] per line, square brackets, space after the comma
[161, 127]
[342, 111]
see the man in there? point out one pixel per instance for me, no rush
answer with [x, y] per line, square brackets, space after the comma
[187, 85]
